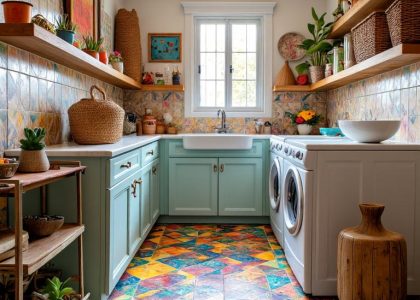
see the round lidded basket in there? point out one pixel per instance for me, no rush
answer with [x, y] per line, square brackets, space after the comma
[94, 121]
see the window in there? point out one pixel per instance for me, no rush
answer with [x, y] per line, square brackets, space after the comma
[228, 63]
[228, 58]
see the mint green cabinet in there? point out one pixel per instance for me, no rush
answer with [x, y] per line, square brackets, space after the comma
[155, 191]
[193, 186]
[145, 219]
[240, 186]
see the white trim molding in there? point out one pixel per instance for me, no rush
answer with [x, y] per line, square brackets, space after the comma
[264, 10]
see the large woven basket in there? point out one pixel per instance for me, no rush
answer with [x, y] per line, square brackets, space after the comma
[94, 121]
[127, 41]
[403, 18]
[371, 36]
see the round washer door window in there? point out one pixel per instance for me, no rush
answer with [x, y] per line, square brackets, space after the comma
[293, 201]
[274, 185]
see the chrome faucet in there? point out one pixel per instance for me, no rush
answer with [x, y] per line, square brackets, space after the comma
[223, 127]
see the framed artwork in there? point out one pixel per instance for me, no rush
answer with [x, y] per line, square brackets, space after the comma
[165, 47]
[83, 13]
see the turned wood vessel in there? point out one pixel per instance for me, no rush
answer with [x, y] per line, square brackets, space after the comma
[371, 260]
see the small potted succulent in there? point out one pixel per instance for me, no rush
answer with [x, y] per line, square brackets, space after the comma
[56, 290]
[32, 156]
[65, 29]
[304, 119]
[116, 60]
[92, 46]
[17, 11]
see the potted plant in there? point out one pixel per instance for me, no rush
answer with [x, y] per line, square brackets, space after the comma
[56, 290]
[17, 11]
[302, 70]
[116, 61]
[304, 119]
[92, 46]
[65, 29]
[33, 157]
[317, 47]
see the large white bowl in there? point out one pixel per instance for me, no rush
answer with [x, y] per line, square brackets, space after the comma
[369, 131]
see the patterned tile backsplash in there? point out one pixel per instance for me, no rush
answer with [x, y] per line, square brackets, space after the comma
[393, 95]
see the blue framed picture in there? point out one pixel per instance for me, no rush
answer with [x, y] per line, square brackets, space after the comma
[165, 47]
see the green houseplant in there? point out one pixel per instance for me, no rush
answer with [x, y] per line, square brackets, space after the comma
[92, 46]
[33, 157]
[116, 60]
[317, 47]
[65, 29]
[56, 290]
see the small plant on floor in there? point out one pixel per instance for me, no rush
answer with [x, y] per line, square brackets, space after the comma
[57, 290]
[34, 139]
[33, 157]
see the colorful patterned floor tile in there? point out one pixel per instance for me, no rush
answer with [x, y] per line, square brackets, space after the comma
[209, 262]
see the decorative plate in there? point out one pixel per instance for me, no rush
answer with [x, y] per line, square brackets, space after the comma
[288, 46]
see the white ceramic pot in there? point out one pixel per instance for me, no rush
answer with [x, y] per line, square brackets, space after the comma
[119, 66]
[33, 161]
[304, 129]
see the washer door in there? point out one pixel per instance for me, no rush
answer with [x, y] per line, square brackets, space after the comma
[274, 185]
[293, 201]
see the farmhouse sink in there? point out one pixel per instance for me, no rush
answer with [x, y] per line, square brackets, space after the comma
[217, 142]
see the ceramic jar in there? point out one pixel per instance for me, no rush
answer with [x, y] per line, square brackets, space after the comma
[118, 65]
[17, 11]
[304, 129]
[66, 35]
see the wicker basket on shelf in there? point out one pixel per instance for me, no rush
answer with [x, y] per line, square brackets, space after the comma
[371, 36]
[94, 121]
[403, 18]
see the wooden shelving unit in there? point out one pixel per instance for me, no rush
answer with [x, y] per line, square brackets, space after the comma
[37, 40]
[42, 250]
[292, 88]
[159, 88]
[391, 59]
[356, 14]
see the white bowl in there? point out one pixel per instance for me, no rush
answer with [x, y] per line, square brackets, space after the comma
[369, 131]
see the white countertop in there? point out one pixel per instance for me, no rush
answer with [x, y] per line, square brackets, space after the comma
[126, 144]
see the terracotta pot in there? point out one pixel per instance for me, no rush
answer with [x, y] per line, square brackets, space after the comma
[171, 130]
[371, 260]
[92, 53]
[33, 161]
[103, 57]
[17, 11]
[316, 73]
[118, 65]
[304, 129]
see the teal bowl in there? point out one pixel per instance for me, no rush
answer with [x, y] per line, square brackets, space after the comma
[331, 131]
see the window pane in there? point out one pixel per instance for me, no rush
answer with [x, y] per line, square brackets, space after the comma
[239, 65]
[251, 70]
[207, 93]
[239, 93]
[238, 37]
[220, 93]
[220, 43]
[251, 38]
[208, 37]
[251, 93]
[208, 65]
[220, 66]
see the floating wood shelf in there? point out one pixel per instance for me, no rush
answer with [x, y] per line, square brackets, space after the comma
[356, 14]
[158, 88]
[292, 88]
[37, 40]
[42, 250]
[388, 60]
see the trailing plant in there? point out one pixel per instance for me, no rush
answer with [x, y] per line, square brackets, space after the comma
[317, 47]
[63, 23]
[115, 57]
[92, 44]
[57, 290]
[34, 139]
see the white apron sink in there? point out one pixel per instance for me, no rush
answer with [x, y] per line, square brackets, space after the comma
[217, 142]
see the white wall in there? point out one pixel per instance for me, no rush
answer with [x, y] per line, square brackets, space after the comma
[164, 16]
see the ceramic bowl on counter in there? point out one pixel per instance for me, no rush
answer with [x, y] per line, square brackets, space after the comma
[369, 131]
[330, 131]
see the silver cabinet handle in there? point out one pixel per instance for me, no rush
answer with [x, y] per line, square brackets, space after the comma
[222, 168]
[134, 186]
[215, 168]
[150, 152]
[127, 165]
[154, 170]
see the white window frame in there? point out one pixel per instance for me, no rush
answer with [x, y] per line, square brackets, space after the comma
[233, 10]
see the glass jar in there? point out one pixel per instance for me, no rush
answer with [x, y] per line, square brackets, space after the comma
[345, 6]
[338, 59]
[349, 59]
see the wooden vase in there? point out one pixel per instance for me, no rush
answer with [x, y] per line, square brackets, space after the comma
[371, 260]
[285, 76]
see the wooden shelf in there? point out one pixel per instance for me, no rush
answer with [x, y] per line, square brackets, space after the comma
[157, 88]
[356, 14]
[43, 250]
[388, 60]
[37, 40]
[292, 88]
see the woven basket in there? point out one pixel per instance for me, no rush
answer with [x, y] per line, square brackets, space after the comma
[403, 18]
[127, 41]
[371, 36]
[42, 226]
[94, 121]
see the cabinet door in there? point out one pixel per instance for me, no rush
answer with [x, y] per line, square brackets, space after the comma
[145, 219]
[240, 186]
[155, 197]
[193, 186]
